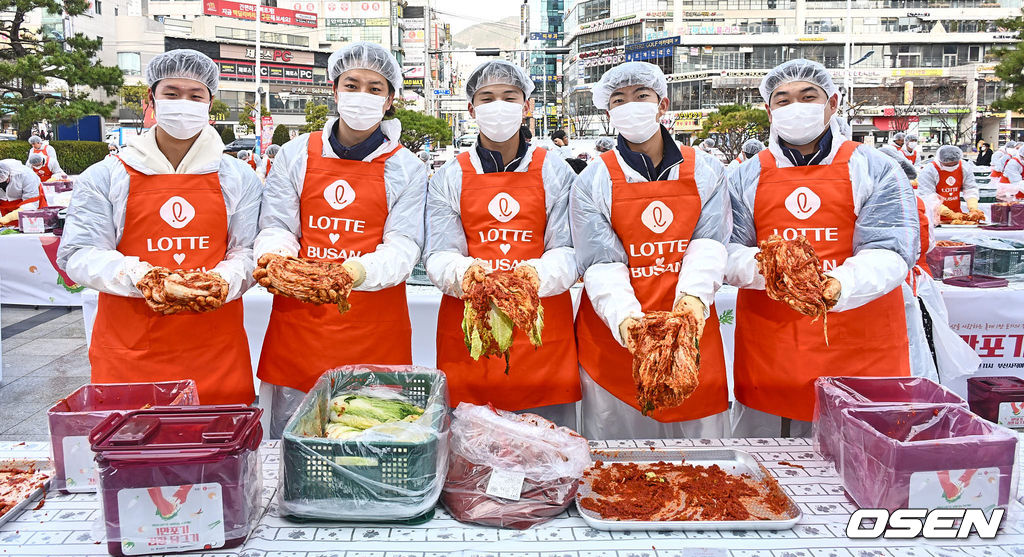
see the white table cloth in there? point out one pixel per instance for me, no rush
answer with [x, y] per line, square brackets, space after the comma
[29, 270]
[65, 524]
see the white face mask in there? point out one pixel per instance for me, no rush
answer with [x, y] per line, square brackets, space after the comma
[799, 123]
[360, 111]
[182, 119]
[636, 121]
[911, 145]
[499, 120]
[949, 167]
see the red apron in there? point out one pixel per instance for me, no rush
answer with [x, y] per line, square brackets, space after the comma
[8, 206]
[175, 221]
[252, 162]
[779, 352]
[343, 210]
[655, 221]
[1002, 176]
[922, 216]
[912, 156]
[995, 174]
[504, 216]
[949, 185]
[43, 172]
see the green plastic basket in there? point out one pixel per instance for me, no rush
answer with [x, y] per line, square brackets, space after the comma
[404, 466]
[999, 262]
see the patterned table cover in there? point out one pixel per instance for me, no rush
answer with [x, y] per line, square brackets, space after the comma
[65, 525]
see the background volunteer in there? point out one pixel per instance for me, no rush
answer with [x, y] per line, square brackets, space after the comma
[40, 147]
[268, 161]
[461, 207]
[647, 190]
[45, 168]
[19, 189]
[750, 149]
[1011, 174]
[353, 170]
[952, 178]
[170, 186]
[867, 201]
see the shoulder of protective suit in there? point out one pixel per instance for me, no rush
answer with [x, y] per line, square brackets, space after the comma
[448, 171]
[295, 147]
[404, 157]
[234, 167]
[596, 171]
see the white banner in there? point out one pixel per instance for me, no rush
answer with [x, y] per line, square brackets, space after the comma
[356, 9]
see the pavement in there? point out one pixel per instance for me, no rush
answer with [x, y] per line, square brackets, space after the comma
[44, 359]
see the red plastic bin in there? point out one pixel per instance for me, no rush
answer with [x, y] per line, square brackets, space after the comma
[926, 457]
[179, 479]
[999, 400]
[835, 394]
[949, 261]
[72, 418]
[1008, 214]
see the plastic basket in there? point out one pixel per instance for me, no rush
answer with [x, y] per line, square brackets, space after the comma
[309, 476]
[1000, 262]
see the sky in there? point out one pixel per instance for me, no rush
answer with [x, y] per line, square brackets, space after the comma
[473, 12]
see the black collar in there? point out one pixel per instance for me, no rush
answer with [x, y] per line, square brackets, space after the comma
[798, 159]
[490, 161]
[643, 164]
[360, 150]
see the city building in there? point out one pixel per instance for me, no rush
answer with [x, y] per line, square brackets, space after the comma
[542, 23]
[926, 66]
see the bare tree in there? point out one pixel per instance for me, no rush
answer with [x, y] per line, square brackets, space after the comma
[954, 120]
[580, 117]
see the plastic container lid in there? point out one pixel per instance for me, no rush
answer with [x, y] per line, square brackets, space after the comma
[1002, 385]
[177, 433]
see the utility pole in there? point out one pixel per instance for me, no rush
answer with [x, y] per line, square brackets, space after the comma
[258, 117]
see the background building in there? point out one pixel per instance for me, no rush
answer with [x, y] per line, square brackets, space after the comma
[924, 66]
[541, 26]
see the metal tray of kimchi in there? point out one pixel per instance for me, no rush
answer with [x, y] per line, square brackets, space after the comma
[733, 462]
[23, 481]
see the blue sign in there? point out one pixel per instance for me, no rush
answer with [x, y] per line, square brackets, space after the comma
[652, 53]
[443, 92]
[649, 45]
[552, 36]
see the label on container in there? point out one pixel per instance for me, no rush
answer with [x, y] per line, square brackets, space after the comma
[33, 225]
[79, 467]
[506, 484]
[976, 488]
[171, 518]
[956, 266]
[1011, 414]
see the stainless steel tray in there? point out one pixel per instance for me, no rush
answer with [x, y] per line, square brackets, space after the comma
[730, 460]
[40, 464]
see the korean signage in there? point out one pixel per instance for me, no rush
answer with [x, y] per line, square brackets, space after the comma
[268, 14]
[300, 5]
[356, 22]
[712, 29]
[648, 50]
[266, 54]
[364, 10]
[545, 36]
[302, 89]
[992, 326]
[246, 71]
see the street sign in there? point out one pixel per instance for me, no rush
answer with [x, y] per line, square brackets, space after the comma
[446, 92]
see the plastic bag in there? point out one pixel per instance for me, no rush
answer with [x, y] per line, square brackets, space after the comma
[511, 470]
[72, 418]
[926, 456]
[835, 394]
[955, 358]
[390, 473]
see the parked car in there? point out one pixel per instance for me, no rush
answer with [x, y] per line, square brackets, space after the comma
[241, 144]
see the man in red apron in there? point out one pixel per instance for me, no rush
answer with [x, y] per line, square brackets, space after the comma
[858, 210]
[910, 150]
[998, 160]
[750, 149]
[268, 162]
[19, 189]
[45, 150]
[951, 177]
[1011, 180]
[649, 221]
[350, 193]
[503, 205]
[170, 200]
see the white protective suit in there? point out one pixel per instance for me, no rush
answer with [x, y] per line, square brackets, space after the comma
[928, 179]
[23, 184]
[53, 165]
[445, 252]
[390, 264]
[88, 248]
[954, 359]
[1012, 171]
[261, 167]
[998, 159]
[886, 244]
[603, 260]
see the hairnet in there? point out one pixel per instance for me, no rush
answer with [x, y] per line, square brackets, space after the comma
[626, 75]
[36, 159]
[911, 137]
[272, 150]
[949, 154]
[5, 172]
[35, 139]
[243, 155]
[752, 147]
[901, 161]
[709, 143]
[900, 136]
[183, 63]
[797, 70]
[498, 72]
[424, 156]
[604, 144]
[365, 56]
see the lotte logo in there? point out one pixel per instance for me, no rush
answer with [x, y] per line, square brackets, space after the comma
[339, 195]
[950, 181]
[803, 203]
[503, 207]
[657, 216]
[177, 212]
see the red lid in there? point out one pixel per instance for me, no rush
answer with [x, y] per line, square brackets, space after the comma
[177, 432]
[1000, 384]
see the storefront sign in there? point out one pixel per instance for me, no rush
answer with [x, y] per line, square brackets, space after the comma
[246, 71]
[357, 9]
[268, 54]
[268, 14]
